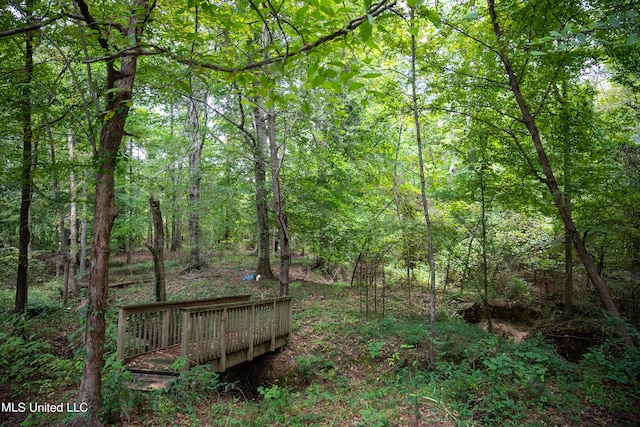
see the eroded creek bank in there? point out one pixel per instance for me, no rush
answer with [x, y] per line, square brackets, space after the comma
[571, 339]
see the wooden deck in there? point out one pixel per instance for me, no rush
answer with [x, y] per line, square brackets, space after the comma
[221, 331]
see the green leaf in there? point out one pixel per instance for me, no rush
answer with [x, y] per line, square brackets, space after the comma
[182, 86]
[336, 87]
[613, 22]
[318, 80]
[331, 73]
[306, 108]
[471, 16]
[371, 75]
[355, 86]
[538, 53]
[414, 31]
[372, 44]
[432, 15]
[300, 13]
[313, 67]
[108, 115]
[365, 31]
[344, 75]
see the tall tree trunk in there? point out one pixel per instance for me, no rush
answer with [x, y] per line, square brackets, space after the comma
[175, 173]
[281, 218]
[568, 248]
[196, 139]
[176, 221]
[550, 179]
[73, 218]
[157, 249]
[425, 205]
[27, 165]
[259, 171]
[62, 235]
[83, 231]
[119, 87]
[483, 240]
[401, 218]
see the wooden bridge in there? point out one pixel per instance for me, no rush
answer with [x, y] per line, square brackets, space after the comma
[222, 331]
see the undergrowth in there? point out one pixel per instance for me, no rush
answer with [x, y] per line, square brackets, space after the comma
[344, 370]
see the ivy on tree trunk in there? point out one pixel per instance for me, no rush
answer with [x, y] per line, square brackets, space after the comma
[119, 87]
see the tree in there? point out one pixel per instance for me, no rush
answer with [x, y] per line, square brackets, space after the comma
[196, 134]
[27, 168]
[258, 144]
[157, 249]
[549, 179]
[423, 194]
[119, 96]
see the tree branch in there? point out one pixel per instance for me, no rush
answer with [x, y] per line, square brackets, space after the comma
[27, 28]
[374, 11]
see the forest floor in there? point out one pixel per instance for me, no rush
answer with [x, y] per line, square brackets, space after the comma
[346, 365]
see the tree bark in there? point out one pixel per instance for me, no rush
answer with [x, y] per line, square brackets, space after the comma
[175, 173]
[262, 214]
[73, 219]
[176, 220]
[62, 235]
[195, 178]
[401, 218]
[157, 250]
[550, 179]
[568, 247]
[281, 218]
[83, 231]
[425, 205]
[27, 168]
[119, 87]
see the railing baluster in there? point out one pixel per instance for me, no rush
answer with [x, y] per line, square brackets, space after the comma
[250, 338]
[223, 340]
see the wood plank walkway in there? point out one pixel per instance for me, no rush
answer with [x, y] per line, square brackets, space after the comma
[221, 331]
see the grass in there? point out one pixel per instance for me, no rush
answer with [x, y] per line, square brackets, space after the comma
[339, 369]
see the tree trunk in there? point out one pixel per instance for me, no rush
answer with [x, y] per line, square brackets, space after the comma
[117, 108]
[27, 166]
[550, 179]
[425, 205]
[262, 213]
[62, 235]
[568, 248]
[281, 218]
[485, 259]
[157, 250]
[176, 221]
[401, 218]
[195, 177]
[73, 219]
[175, 173]
[83, 232]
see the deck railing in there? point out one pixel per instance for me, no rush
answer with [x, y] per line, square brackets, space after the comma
[144, 328]
[228, 334]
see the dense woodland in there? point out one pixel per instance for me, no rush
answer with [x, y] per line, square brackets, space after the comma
[421, 161]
